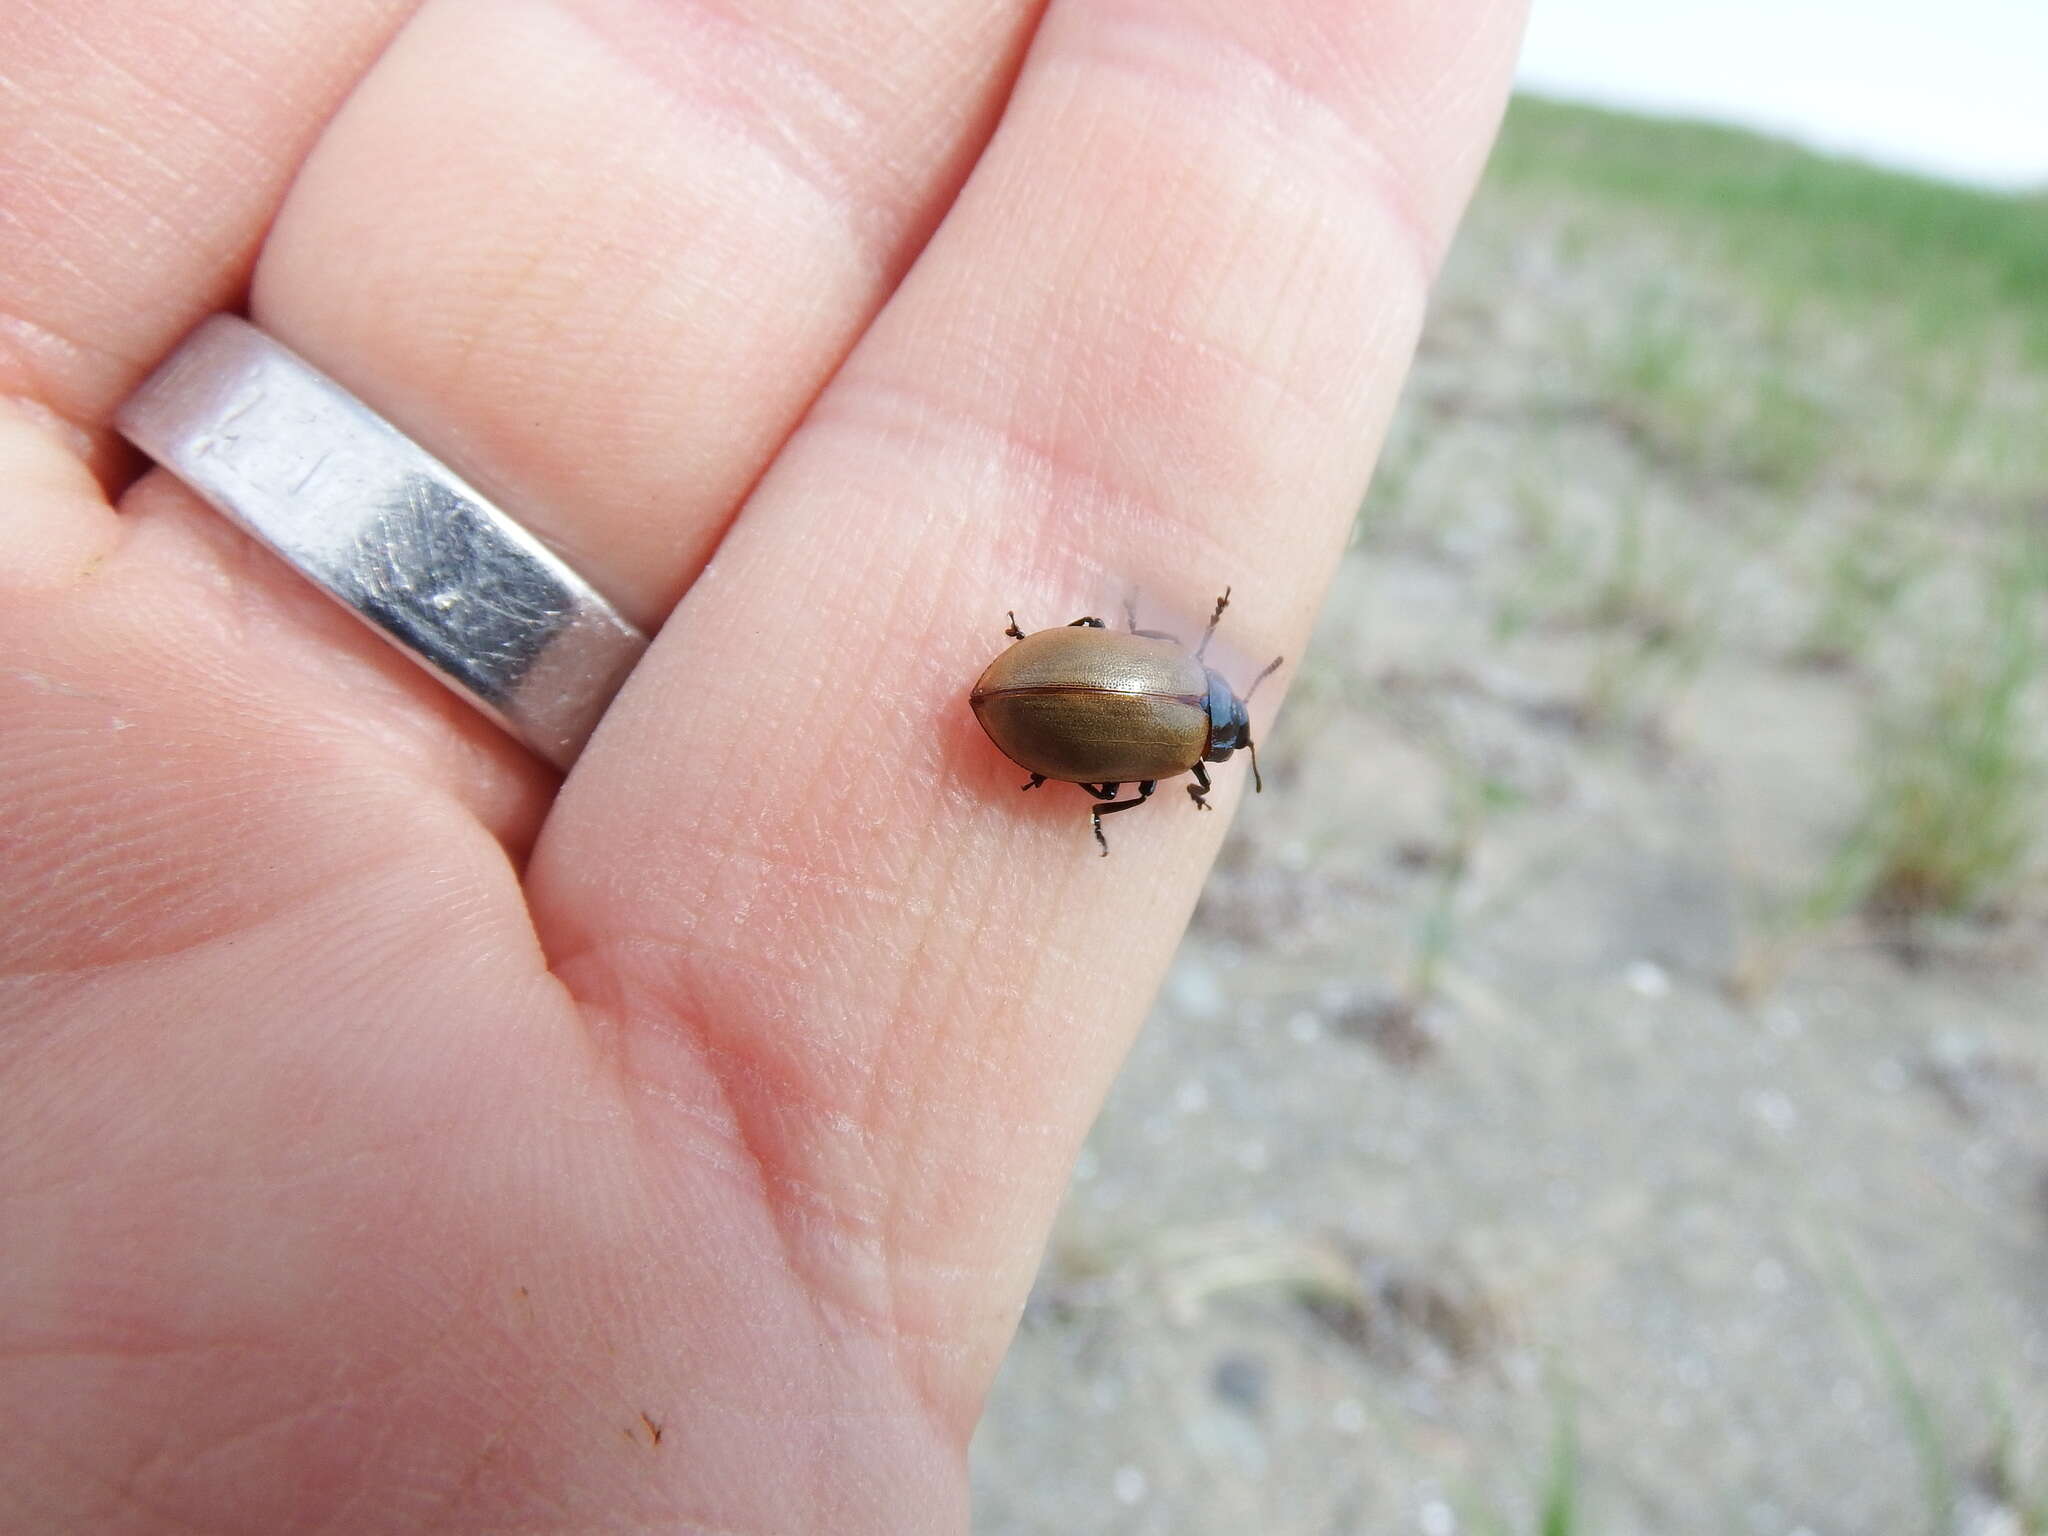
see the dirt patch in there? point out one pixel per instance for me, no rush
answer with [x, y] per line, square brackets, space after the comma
[1543, 1099]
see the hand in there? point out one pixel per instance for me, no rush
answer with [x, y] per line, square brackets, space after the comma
[395, 1137]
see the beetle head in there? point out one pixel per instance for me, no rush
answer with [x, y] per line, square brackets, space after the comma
[1229, 726]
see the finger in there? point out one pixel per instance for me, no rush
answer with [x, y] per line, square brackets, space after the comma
[143, 150]
[1155, 342]
[600, 254]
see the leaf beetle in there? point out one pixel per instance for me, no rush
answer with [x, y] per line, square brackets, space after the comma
[1102, 708]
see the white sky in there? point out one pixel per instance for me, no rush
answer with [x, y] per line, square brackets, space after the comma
[1955, 88]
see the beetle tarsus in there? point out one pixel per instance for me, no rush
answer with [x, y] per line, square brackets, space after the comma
[1108, 792]
[1013, 631]
[1198, 791]
[1036, 780]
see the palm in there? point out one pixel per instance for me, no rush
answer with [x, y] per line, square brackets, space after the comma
[397, 1137]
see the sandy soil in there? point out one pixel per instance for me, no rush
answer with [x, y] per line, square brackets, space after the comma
[1498, 1140]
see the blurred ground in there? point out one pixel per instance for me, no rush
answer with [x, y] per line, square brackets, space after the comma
[1605, 1088]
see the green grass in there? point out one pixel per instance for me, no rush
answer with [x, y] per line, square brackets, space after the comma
[1955, 777]
[1559, 1514]
[1942, 256]
[1703, 403]
[1819, 322]
[1797, 318]
[1916, 1414]
[1670, 379]
[1558, 1509]
[1475, 798]
[1871, 567]
[1954, 813]
[2007, 1479]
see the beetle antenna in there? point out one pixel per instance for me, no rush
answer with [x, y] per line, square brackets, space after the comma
[1271, 667]
[1258, 784]
[1208, 634]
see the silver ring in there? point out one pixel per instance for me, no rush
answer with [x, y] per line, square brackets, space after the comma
[387, 530]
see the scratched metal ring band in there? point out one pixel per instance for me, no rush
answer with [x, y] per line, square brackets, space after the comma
[387, 530]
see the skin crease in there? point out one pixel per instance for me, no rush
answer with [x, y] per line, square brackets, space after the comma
[397, 1139]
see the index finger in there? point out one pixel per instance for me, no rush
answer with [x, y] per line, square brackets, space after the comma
[1154, 342]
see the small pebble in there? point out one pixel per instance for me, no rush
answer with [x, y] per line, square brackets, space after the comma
[1772, 1109]
[1646, 978]
[1195, 988]
[1240, 1380]
[1785, 1022]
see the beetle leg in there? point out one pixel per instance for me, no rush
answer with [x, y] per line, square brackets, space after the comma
[1036, 780]
[1013, 631]
[1088, 622]
[1200, 788]
[1097, 812]
[1131, 624]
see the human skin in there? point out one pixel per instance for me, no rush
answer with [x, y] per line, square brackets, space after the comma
[394, 1136]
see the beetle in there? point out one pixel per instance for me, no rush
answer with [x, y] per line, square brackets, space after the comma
[1100, 708]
